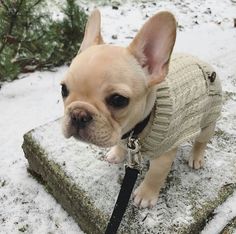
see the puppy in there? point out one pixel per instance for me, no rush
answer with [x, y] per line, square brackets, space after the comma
[110, 91]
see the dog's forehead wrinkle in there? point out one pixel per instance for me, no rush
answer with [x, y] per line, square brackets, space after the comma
[104, 54]
[107, 66]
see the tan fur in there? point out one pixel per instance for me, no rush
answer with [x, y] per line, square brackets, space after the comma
[100, 70]
[147, 193]
[90, 82]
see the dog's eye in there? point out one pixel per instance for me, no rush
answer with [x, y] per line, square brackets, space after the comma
[117, 101]
[64, 91]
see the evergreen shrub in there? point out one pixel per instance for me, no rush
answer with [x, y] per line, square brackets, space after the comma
[31, 39]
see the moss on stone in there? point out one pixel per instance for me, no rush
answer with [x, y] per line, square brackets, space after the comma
[201, 216]
[87, 187]
[70, 196]
[230, 227]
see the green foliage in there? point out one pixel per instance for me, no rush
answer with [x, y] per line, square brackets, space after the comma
[31, 39]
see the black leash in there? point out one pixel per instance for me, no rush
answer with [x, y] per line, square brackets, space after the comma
[131, 173]
[127, 186]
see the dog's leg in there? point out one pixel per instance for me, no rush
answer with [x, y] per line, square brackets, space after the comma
[196, 159]
[146, 195]
[116, 154]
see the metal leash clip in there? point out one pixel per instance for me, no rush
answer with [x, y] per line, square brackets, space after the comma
[134, 154]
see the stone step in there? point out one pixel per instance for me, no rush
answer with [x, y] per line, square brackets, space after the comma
[87, 186]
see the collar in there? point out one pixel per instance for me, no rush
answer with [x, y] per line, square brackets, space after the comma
[138, 128]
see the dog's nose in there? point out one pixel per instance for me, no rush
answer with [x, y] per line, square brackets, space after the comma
[80, 118]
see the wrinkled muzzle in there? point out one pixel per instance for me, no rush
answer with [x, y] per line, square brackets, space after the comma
[85, 123]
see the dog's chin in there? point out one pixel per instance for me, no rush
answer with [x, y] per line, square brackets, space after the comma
[95, 141]
[104, 141]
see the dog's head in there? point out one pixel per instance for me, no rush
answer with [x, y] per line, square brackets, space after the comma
[109, 89]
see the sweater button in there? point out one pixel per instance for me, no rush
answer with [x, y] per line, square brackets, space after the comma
[212, 77]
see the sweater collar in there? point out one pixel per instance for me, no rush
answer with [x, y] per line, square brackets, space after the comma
[138, 128]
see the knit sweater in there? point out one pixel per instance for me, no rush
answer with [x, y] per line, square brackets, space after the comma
[186, 102]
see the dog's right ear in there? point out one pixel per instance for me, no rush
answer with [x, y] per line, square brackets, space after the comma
[92, 35]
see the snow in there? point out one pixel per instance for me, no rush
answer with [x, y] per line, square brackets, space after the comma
[224, 214]
[35, 99]
[81, 167]
[25, 205]
[86, 169]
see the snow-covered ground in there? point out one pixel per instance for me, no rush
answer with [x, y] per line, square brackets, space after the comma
[205, 29]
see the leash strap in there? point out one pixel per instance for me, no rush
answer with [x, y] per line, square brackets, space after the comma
[132, 169]
[127, 186]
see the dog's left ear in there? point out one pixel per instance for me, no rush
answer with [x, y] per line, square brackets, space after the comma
[153, 45]
[92, 34]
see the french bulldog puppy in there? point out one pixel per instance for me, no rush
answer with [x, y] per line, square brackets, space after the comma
[109, 89]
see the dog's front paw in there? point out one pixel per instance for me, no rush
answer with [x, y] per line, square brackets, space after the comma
[116, 155]
[145, 197]
[195, 162]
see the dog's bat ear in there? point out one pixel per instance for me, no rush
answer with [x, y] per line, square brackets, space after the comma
[153, 45]
[92, 34]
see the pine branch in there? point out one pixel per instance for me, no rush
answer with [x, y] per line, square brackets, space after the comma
[36, 3]
[31, 40]
[4, 5]
[11, 25]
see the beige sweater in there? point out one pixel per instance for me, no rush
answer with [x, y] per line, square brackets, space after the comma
[186, 102]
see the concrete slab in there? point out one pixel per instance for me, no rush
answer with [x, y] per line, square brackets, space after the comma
[87, 186]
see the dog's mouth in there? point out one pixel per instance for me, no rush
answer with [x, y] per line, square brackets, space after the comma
[101, 137]
[94, 138]
[97, 142]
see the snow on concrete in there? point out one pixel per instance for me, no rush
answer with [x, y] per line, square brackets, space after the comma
[184, 196]
[205, 29]
[223, 214]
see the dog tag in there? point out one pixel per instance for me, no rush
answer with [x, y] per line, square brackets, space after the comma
[212, 77]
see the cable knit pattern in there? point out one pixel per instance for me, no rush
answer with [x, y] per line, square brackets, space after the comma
[186, 102]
